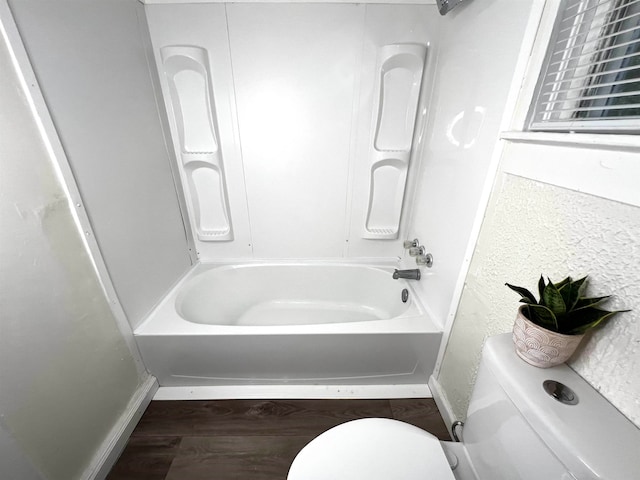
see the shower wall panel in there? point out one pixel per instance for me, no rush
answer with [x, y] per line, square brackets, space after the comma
[296, 69]
[191, 49]
[397, 66]
[90, 61]
[471, 87]
[293, 123]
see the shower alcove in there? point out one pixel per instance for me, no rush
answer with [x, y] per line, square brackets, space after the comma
[292, 127]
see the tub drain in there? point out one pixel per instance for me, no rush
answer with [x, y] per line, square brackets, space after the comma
[405, 295]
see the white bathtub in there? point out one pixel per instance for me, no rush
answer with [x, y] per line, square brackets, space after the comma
[300, 325]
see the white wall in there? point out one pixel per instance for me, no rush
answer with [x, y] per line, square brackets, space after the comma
[294, 90]
[477, 55]
[295, 77]
[90, 62]
[14, 463]
[66, 372]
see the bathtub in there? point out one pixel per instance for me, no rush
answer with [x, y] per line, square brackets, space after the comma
[305, 329]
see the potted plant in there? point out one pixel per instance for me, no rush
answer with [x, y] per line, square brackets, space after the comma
[547, 332]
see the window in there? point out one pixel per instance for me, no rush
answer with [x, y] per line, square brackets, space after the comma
[591, 77]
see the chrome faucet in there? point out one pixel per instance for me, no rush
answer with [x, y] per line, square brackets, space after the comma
[408, 274]
[419, 253]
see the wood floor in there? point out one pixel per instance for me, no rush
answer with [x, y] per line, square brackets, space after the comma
[246, 439]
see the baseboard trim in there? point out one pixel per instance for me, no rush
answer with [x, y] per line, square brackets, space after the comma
[114, 444]
[442, 402]
[292, 391]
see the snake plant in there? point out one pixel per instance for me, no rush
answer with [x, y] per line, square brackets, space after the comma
[562, 308]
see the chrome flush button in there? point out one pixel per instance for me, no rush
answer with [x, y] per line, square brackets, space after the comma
[560, 392]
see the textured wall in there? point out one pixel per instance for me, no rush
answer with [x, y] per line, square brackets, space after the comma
[530, 229]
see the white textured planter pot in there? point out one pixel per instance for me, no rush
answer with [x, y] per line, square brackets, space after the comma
[540, 347]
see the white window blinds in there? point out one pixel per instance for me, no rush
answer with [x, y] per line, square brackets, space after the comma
[591, 77]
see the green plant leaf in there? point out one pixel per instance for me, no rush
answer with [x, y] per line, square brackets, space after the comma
[571, 291]
[541, 315]
[565, 291]
[587, 302]
[579, 321]
[575, 292]
[527, 296]
[564, 282]
[582, 281]
[553, 300]
[541, 286]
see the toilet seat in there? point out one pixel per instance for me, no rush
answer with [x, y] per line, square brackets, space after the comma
[372, 449]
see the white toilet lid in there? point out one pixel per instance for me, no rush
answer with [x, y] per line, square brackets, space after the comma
[372, 449]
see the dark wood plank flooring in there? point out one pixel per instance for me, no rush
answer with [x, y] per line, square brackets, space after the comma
[242, 439]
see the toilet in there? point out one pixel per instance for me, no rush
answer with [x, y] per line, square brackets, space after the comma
[522, 422]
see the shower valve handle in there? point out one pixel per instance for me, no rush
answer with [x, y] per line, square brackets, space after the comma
[411, 243]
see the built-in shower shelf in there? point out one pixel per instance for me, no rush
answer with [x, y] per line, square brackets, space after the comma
[390, 151]
[205, 158]
[386, 192]
[210, 234]
[188, 80]
[383, 232]
[400, 76]
[399, 79]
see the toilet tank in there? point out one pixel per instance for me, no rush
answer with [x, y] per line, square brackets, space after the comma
[515, 430]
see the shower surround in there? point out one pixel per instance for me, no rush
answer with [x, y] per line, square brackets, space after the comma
[293, 124]
[293, 129]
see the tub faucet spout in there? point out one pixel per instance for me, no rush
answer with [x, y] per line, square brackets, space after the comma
[407, 274]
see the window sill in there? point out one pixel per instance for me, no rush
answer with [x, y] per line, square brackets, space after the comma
[597, 140]
[606, 166]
